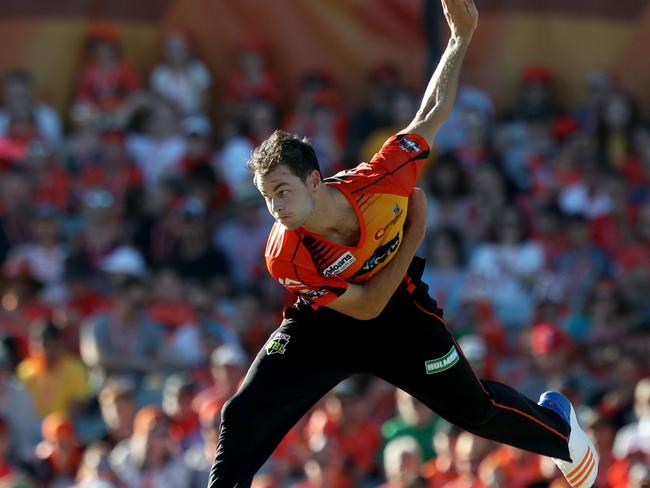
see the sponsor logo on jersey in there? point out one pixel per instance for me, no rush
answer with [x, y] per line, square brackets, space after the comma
[379, 256]
[340, 265]
[289, 283]
[312, 293]
[409, 145]
[277, 344]
[397, 210]
[443, 363]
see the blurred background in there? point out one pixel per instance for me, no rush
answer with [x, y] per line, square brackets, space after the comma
[133, 291]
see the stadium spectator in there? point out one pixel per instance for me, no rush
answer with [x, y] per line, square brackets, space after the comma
[150, 457]
[58, 456]
[181, 78]
[123, 341]
[413, 420]
[19, 100]
[118, 407]
[402, 461]
[55, 378]
[106, 80]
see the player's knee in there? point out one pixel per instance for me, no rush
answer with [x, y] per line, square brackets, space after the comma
[236, 412]
[475, 414]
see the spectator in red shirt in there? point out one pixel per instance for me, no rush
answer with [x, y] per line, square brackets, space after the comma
[342, 420]
[106, 80]
[58, 456]
[251, 78]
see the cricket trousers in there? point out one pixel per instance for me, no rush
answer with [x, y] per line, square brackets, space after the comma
[407, 345]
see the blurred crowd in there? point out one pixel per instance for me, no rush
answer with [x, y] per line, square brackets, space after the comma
[134, 294]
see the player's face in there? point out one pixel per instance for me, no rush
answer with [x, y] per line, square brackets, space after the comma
[288, 198]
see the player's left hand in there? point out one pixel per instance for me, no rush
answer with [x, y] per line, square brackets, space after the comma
[462, 17]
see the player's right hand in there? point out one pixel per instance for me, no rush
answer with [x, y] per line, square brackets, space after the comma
[462, 17]
[415, 226]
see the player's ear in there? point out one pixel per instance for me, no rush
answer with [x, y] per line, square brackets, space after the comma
[313, 180]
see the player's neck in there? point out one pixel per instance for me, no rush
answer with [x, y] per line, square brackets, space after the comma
[329, 210]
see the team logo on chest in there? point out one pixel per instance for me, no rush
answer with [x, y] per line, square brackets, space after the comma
[340, 265]
[397, 211]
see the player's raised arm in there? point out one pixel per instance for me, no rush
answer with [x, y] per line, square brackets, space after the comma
[440, 94]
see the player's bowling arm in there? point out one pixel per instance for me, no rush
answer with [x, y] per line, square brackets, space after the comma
[440, 94]
[365, 302]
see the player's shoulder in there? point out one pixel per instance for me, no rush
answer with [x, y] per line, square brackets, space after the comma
[282, 243]
[405, 144]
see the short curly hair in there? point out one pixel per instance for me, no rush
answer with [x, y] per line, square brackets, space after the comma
[282, 148]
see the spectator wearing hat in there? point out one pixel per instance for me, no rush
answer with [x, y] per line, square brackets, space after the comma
[250, 79]
[228, 365]
[535, 102]
[554, 358]
[402, 464]
[124, 341]
[19, 98]
[106, 80]
[181, 77]
[101, 229]
[122, 264]
[56, 380]
[58, 456]
[150, 458]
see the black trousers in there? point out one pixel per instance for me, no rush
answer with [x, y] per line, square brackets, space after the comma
[408, 345]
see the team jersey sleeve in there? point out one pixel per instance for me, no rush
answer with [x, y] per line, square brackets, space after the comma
[402, 156]
[306, 283]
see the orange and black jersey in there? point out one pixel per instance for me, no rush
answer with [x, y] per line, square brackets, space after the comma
[318, 270]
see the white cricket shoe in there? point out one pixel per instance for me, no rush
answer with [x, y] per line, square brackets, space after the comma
[582, 470]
